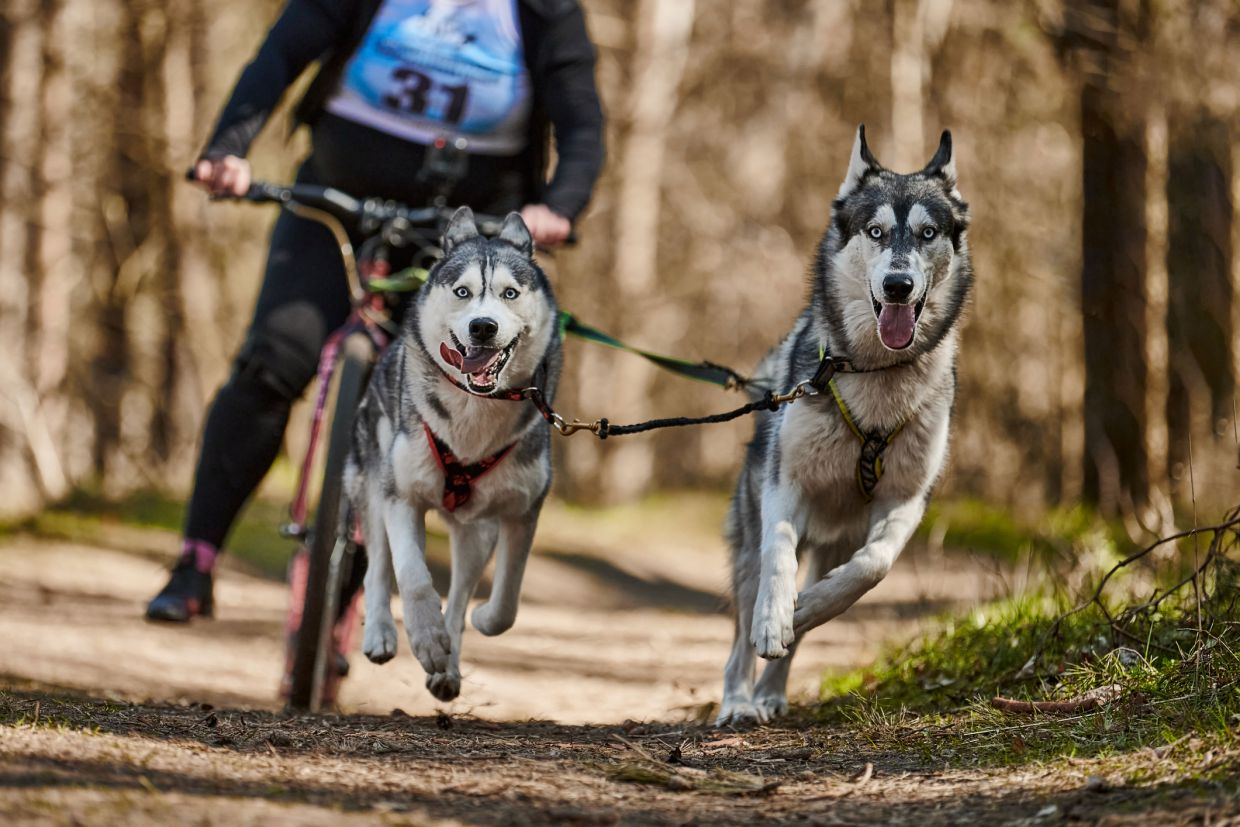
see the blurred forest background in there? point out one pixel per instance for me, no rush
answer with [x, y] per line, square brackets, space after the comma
[1096, 143]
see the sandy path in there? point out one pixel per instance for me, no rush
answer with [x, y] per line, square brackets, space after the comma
[624, 625]
[620, 627]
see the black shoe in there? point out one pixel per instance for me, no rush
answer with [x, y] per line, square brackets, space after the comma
[188, 593]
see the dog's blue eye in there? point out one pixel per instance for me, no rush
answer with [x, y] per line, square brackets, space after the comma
[510, 294]
[462, 292]
[928, 233]
[876, 232]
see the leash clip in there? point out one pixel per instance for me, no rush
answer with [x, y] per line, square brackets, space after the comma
[567, 428]
[803, 389]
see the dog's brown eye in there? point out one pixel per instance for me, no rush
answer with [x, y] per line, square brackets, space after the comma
[510, 294]
[462, 292]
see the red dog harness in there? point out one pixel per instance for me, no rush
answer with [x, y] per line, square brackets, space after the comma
[458, 478]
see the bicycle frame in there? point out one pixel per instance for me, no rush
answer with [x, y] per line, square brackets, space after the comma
[367, 316]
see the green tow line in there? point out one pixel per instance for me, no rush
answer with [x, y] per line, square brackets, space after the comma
[411, 278]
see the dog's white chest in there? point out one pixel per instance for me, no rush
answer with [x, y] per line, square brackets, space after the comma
[818, 455]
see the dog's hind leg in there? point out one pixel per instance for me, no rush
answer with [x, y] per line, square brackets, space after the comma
[499, 612]
[379, 631]
[406, 532]
[892, 523]
[472, 545]
[737, 707]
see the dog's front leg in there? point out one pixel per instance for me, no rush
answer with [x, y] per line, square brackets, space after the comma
[772, 630]
[472, 545]
[892, 523]
[428, 639]
[515, 539]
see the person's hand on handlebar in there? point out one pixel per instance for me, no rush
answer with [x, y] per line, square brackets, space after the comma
[548, 228]
[229, 175]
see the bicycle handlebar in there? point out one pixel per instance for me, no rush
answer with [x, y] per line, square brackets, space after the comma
[371, 213]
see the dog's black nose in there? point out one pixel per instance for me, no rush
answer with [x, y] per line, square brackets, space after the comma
[898, 286]
[484, 329]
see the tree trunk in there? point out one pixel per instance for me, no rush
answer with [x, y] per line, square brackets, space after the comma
[1199, 260]
[1113, 290]
[1113, 304]
[127, 216]
[664, 28]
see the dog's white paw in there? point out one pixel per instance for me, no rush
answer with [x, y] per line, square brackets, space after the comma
[804, 615]
[771, 632]
[428, 638]
[739, 714]
[772, 706]
[444, 685]
[487, 620]
[379, 640]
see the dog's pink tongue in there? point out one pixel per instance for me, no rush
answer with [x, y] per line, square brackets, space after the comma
[478, 359]
[895, 325]
[452, 356]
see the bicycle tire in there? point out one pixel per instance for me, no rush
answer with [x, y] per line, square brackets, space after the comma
[312, 651]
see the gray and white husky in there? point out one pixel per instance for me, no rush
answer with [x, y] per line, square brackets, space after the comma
[842, 478]
[442, 428]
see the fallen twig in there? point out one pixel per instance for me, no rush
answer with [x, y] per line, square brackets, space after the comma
[645, 768]
[1093, 699]
[865, 774]
[854, 783]
[1230, 523]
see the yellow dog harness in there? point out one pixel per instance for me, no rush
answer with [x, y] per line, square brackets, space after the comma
[873, 444]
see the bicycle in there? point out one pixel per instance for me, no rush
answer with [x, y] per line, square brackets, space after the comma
[324, 572]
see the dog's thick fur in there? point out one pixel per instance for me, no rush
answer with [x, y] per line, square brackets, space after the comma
[798, 493]
[487, 286]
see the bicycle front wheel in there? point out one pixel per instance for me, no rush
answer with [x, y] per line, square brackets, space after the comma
[312, 652]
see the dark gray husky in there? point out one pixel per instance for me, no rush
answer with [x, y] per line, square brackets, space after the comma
[843, 478]
[439, 429]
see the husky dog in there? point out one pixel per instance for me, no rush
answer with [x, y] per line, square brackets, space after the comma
[842, 478]
[442, 427]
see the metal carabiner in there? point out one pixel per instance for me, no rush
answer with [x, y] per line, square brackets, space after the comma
[569, 428]
[805, 388]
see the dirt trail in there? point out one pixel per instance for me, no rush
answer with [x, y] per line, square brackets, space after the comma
[80, 761]
[105, 719]
[627, 625]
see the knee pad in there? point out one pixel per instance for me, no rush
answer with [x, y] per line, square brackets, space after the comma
[256, 370]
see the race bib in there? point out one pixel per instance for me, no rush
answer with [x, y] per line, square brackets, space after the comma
[441, 68]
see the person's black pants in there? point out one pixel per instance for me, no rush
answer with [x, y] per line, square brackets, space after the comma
[304, 297]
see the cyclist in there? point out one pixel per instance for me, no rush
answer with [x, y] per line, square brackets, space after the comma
[397, 77]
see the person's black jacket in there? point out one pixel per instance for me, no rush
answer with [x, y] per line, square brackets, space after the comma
[558, 55]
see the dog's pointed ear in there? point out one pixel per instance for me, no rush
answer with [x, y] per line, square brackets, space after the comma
[517, 234]
[861, 164]
[460, 229]
[943, 164]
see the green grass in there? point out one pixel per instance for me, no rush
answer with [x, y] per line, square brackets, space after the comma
[152, 518]
[1057, 536]
[1179, 673]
